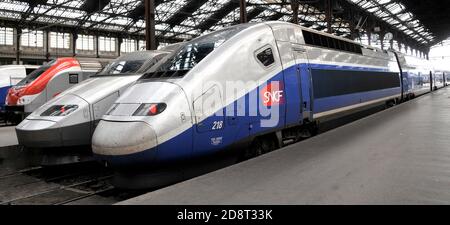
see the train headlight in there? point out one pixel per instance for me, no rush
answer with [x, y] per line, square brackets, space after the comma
[60, 110]
[25, 100]
[150, 109]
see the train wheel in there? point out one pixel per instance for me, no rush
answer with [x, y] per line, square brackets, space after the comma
[260, 146]
[390, 104]
[311, 129]
[304, 133]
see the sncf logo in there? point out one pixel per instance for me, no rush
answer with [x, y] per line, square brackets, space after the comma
[273, 94]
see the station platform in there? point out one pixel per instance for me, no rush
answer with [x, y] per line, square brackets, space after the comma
[398, 156]
[8, 136]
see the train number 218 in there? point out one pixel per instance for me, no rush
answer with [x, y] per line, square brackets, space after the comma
[217, 125]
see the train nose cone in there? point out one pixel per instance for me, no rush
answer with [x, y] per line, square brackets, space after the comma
[112, 139]
[38, 133]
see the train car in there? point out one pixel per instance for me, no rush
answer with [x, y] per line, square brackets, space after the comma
[446, 75]
[441, 78]
[254, 86]
[442, 71]
[70, 118]
[10, 75]
[438, 80]
[417, 74]
[47, 82]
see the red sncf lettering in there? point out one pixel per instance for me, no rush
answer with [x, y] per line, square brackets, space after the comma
[272, 96]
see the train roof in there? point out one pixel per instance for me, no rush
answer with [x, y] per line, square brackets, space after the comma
[328, 35]
[14, 66]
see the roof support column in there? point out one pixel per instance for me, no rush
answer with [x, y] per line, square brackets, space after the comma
[74, 43]
[243, 10]
[18, 34]
[382, 35]
[47, 44]
[97, 45]
[119, 45]
[137, 44]
[294, 6]
[328, 15]
[150, 36]
[353, 33]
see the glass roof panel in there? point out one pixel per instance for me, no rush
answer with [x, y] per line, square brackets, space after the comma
[114, 16]
[395, 13]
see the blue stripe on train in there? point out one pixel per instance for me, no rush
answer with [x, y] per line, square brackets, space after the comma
[3, 94]
[191, 143]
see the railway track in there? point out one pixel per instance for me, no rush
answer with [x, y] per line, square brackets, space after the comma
[85, 183]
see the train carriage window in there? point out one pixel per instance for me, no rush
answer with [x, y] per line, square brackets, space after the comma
[308, 38]
[352, 47]
[333, 43]
[73, 78]
[341, 45]
[29, 70]
[329, 83]
[324, 41]
[330, 42]
[358, 49]
[266, 57]
[348, 47]
[355, 48]
[316, 39]
[338, 44]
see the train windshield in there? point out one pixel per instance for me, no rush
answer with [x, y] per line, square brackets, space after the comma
[122, 67]
[191, 53]
[36, 73]
[132, 63]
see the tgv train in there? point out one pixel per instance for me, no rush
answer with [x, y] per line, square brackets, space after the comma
[446, 76]
[10, 75]
[48, 81]
[254, 86]
[70, 118]
[441, 77]
[418, 76]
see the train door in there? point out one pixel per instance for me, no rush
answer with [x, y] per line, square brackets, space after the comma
[304, 76]
[431, 82]
[444, 82]
[209, 132]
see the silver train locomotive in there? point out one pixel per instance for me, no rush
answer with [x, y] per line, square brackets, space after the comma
[70, 118]
[301, 76]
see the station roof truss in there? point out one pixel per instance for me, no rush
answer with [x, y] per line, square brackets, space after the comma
[178, 20]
